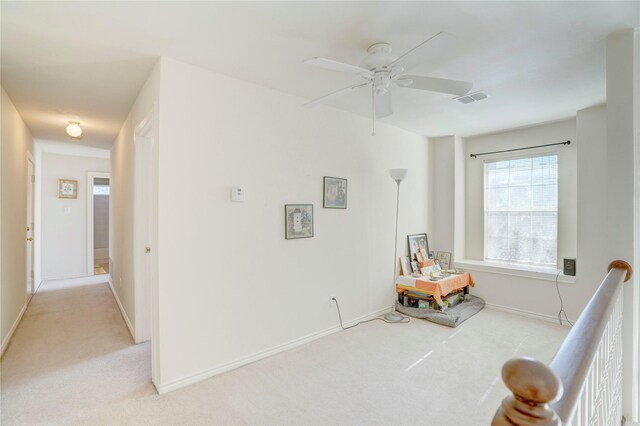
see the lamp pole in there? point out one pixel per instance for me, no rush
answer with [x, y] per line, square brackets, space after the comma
[398, 175]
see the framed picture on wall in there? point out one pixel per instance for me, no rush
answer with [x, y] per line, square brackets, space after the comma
[67, 188]
[298, 220]
[335, 193]
[417, 242]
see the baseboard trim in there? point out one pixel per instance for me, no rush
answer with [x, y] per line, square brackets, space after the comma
[528, 314]
[65, 277]
[86, 279]
[205, 374]
[7, 339]
[122, 311]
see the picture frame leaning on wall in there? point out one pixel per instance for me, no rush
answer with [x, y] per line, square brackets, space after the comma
[417, 242]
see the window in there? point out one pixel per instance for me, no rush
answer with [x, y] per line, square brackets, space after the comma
[100, 190]
[521, 210]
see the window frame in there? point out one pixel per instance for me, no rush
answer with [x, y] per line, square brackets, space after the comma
[514, 263]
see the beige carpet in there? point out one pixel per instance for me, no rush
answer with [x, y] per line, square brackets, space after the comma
[73, 361]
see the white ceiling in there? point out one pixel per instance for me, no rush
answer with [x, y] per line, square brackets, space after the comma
[539, 61]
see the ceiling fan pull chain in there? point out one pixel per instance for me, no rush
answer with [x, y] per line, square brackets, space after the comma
[373, 110]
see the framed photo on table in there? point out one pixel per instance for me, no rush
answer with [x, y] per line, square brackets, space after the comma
[444, 259]
[335, 193]
[298, 221]
[405, 266]
[417, 242]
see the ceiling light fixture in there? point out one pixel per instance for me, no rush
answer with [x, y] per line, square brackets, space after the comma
[74, 130]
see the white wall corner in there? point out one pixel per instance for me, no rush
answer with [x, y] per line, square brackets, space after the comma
[636, 258]
[7, 340]
[443, 194]
[622, 127]
[122, 311]
[459, 200]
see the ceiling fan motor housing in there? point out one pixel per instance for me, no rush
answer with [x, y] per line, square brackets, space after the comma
[379, 57]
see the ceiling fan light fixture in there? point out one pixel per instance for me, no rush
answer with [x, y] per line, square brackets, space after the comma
[74, 130]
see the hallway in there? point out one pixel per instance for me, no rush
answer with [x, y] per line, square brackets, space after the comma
[71, 350]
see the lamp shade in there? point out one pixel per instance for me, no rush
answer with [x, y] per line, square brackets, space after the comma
[398, 174]
[74, 130]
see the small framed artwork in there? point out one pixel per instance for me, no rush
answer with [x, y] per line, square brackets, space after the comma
[417, 242]
[444, 259]
[414, 267]
[298, 221]
[335, 193]
[405, 265]
[67, 188]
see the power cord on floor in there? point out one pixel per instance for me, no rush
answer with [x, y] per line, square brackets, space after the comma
[369, 320]
[561, 311]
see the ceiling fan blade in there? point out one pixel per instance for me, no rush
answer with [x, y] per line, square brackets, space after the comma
[383, 105]
[332, 65]
[402, 57]
[433, 84]
[335, 94]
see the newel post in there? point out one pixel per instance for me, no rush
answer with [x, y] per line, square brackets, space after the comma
[534, 386]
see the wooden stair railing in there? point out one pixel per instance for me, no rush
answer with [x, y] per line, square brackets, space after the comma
[591, 354]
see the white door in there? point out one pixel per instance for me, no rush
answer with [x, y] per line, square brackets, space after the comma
[144, 219]
[30, 194]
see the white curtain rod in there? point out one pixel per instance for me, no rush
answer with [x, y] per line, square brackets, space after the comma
[520, 149]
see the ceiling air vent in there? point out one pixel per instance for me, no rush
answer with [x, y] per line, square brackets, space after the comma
[472, 97]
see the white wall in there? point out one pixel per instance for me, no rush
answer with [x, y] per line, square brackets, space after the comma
[64, 221]
[567, 180]
[441, 237]
[230, 285]
[15, 143]
[622, 127]
[121, 229]
[63, 148]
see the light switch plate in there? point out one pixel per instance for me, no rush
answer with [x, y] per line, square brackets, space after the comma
[237, 194]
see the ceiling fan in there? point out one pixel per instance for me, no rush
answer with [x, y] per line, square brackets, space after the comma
[382, 70]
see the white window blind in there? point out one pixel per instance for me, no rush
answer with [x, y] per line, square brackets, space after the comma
[521, 210]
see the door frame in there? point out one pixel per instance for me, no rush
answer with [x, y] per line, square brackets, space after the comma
[146, 301]
[30, 230]
[90, 249]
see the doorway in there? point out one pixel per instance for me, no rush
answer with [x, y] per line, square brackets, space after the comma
[31, 181]
[145, 256]
[98, 224]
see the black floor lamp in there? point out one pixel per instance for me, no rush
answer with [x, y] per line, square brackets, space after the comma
[398, 175]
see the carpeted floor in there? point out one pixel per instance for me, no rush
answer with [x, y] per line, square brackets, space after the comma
[72, 361]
